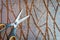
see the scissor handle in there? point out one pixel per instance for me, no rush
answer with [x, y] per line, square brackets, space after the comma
[8, 25]
[12, 38]
[2, 27]
[12, 34]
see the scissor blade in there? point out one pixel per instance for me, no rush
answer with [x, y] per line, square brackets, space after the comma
[21, 20]
[19, 15]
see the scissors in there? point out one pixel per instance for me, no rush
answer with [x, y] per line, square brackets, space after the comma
[15, 24]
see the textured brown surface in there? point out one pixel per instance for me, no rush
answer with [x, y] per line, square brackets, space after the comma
[43, 23]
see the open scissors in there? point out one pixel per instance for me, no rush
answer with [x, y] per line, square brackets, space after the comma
[15, 24]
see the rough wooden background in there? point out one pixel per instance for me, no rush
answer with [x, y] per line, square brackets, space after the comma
[44, 21]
